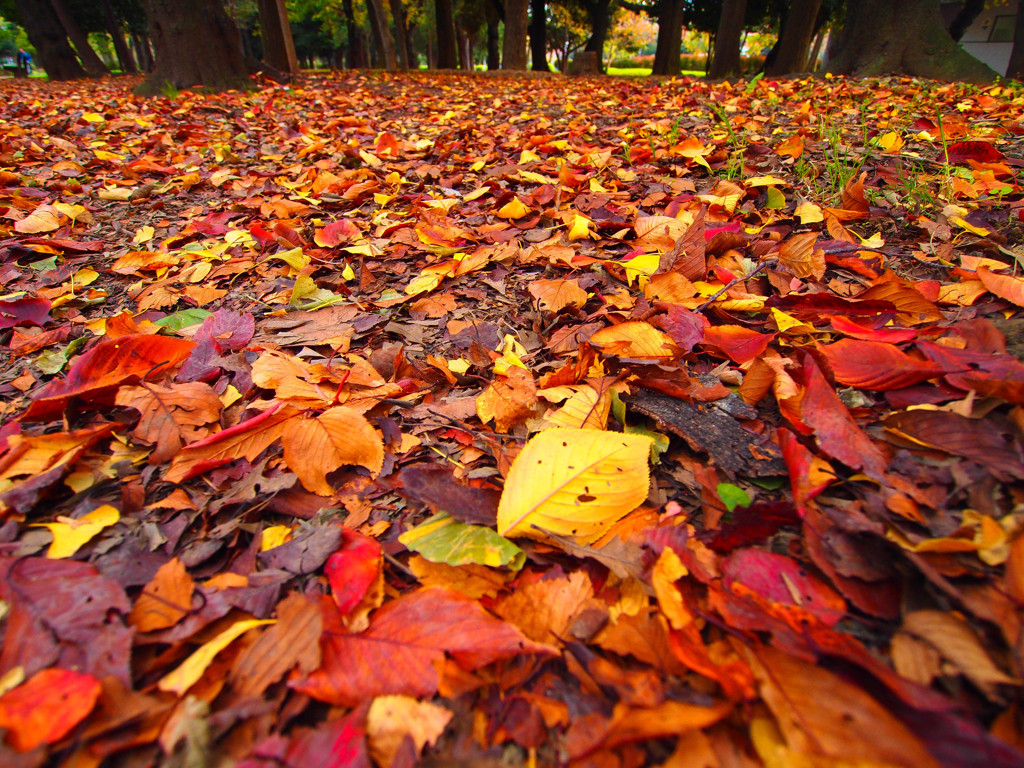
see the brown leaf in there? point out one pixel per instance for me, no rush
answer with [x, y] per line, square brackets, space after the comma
[166, 413]
[800, 257]
[687, 256]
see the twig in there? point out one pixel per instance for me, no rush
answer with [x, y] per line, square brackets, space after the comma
[712, 299]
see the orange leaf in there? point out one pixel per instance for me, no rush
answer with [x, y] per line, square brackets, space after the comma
[739, 343]
[1004, 286]
[509, 400]
[166, 600]
[401, 651]
[800, 257]
[555, 295]
[47, 707]
[168, 413]
[315, 447]
[687, 256]
[635, 339]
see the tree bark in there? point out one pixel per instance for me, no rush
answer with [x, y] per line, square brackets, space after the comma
[50, 41]
[381, 34]
[493, 42]
[599, 13]
[196, 44]
[726, 61]
[513, 49]
[539, 36]
[447, 57]
[971, 10]
[278, 46]
[124, 53]
[1016, 66]
[401, 39]
[879, 37]
[795, 39]
[355, 55]
[670, 38]
[92, 63]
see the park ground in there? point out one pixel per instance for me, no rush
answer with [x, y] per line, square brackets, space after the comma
[484, 420]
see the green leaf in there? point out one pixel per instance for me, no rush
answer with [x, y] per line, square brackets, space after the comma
[184, 318]
[776, 199]
[658, 447]
[733, 496]
[51, 361]
[443, 539]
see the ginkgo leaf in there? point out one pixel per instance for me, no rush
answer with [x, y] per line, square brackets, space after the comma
[190, 670]
[69, 535]
[574, 482]
[315, 447]
[513, 209]
[443, 539]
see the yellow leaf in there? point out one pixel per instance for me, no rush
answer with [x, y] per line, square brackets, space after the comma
[574, 482]
[513, 209]
[891, 142]
[70, 535]
[274, 536]
[294, 258]
[809, 213]
[143, 235]
[185, 676]
[93, 117]
[580, 228]
[584, 409]
[963, 224]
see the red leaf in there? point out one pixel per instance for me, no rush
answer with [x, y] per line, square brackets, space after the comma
[47, 707]
[353, 569]
[889, 335]
[990, 375]
[834, 427]
[107, 364]
[406, 641]
[24, 312]
[336, 233]
[739, 343]
[783, 580]
[979, 151]
[874, 366]
[336, 744]
[811, 306]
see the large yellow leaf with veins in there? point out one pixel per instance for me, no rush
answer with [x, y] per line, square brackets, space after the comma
[574, 482]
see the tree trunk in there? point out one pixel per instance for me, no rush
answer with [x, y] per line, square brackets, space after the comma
[726, 61]
[880, 37]
[446, 54]
[599, 13]
[1016, 66]
[355, 55]
[539, 36]
[382, 35]
[143, 52]
[92, 63]
[196, 44]
[278, 46]
[401, 40]
[963, 20]
[493, 43]
[513, 49]
[124, 53]
[50, 41]
[670, 38]
[795, 38]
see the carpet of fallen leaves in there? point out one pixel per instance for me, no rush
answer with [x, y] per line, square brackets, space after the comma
[453, 420]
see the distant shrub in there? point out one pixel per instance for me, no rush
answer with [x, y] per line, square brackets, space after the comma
[687, 62]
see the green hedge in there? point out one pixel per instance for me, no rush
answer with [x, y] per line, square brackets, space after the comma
[691, 62]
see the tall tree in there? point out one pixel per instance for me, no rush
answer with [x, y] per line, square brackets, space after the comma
[879, 37]
[124, 53]
[92, 63]
[670, 38]
[447, 54]
[196, 44]
[599, 12]
[513, 49]
[278, 46]
[381, 34]
[538, 36]
[794, 38]
[1016, 66]
[971, 10]
[726, 59]
[50, 40]
[355, 54]
[401, 36]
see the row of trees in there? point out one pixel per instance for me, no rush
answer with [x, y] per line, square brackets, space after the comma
[184, 43]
